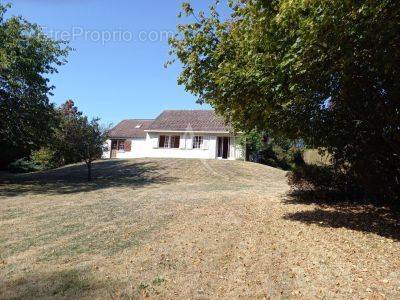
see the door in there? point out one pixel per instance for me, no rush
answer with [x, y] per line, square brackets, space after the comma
[114, 149]
[223, 147]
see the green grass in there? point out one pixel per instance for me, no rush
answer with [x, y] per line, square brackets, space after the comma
[158, 280]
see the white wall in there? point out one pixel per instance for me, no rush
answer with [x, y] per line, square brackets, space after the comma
[185, 148]
[148, 147]
[107, 145]
[138, 149]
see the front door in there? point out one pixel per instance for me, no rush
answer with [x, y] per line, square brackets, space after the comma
[223, 147]
[114, 148]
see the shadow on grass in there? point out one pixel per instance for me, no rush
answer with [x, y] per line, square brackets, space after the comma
[73, 283]
[72, 179]
[335, 212]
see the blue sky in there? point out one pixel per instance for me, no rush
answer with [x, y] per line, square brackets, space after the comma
[118, 79]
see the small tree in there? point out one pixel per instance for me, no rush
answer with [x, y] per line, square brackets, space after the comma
[78, 139]
[65, 138]
[86, 140]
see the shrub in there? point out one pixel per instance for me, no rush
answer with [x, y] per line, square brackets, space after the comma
[276, 157]
[311, 177]
[298, 159]
[44, 158]
[326, 178]
[23, 165]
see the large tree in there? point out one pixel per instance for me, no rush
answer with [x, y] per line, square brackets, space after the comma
[323, 71]
[27, 56]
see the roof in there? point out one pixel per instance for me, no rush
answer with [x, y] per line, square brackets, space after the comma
[189, 120]
[130, 128]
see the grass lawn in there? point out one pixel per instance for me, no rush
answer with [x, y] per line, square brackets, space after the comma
[170, 228]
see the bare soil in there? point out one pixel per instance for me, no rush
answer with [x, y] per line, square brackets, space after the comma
[171, 228]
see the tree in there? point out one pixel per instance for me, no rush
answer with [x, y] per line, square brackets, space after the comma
[26, 57]
[322, 71]
[64, 143]
[77, 139]
[251, 143]
[91, 140]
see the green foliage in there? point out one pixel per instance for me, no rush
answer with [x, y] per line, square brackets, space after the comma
[322, 71]
[23, 165]
[323, 178]
[158, 280]
[312, 176]
[276, 156]
[298, 159]
[45, 157]
[77, 139]
[252, 141]
[27, 56]
[275, 152]
[41, 159]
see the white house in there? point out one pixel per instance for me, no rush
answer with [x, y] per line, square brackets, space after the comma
[176, 134]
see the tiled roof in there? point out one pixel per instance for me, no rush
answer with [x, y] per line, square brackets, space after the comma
[189, 120]
[130, 129]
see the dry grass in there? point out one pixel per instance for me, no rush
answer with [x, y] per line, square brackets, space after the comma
[189, 229]
[312, 157]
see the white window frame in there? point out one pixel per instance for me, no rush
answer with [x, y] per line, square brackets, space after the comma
[172, 138]
[168, 141]
[197, 142]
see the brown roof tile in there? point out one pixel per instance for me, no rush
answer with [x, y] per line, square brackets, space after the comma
[127, 129]
[189, 120]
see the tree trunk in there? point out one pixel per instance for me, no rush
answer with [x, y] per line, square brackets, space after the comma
[89, 168]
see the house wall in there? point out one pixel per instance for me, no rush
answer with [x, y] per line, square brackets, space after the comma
[148, 147]
[185, 148]
[139, 148]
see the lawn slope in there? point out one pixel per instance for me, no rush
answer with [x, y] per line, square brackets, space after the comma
[172, 228]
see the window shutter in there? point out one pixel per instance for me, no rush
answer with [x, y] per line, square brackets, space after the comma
[155, 142]
[128, 145]
[206, 139]
[182, 142]
[189, 142]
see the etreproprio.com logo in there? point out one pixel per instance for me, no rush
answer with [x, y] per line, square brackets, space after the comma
[107, 36]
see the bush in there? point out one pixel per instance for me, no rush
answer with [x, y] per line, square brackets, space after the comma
[285, 158]
[44, 158]
[298, 159]
[326, 178]
[312, 177]
[276, 157]
[23, 166]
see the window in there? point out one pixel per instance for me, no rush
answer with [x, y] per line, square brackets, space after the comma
[118, 145]
[121, 145]
[175, 140]
[138, 126]
[197, 142]
[161, 141]
[167, 141]
[114, 145]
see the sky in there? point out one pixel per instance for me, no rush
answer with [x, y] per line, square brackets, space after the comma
[116, 70]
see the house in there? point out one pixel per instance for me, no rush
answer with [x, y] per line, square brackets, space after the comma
[175, 134]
